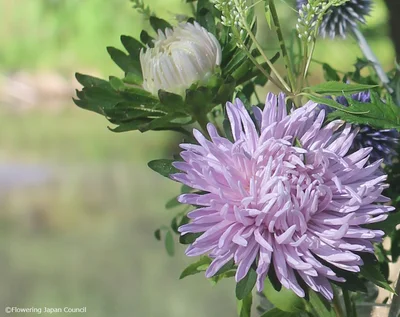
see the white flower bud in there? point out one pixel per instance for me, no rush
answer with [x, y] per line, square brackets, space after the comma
[181, 56]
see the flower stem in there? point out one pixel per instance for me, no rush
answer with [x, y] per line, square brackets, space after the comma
[259, 48]
[370, 56]
[348, 303]
[336, 304]
[282, 44]
[395, 306]
[254, 61]
[202, 119]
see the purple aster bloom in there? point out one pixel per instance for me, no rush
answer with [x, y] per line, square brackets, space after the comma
[283, 194]
[384, 142]
[339, 19]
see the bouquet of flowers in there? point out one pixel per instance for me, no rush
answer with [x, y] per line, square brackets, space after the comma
[291, 196]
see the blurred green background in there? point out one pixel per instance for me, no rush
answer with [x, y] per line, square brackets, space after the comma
[78, 203]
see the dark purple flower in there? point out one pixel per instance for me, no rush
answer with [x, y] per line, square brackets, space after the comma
[338, 19]
[284, 193]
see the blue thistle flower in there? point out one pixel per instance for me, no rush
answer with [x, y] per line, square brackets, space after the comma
[338, 19]
[383, 142]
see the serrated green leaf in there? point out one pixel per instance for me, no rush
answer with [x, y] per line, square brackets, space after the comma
[169, 243]
[132, 45]
[139, 97]
[377, 114]
[372, 273]
[102, 97]
[121, 59]
[284, 299]
[159, 24]
[334, 104]
[129, 126]
[335, 88]
[146, 39]
[167, 122]
[196, 267]
[90, 81]
[172, 101]
[246, 285]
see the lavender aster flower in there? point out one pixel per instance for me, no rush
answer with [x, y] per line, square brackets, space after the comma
[383, 142]
[338, 20]
[283, 194]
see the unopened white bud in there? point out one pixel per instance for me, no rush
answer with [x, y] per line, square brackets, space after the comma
[180, 57]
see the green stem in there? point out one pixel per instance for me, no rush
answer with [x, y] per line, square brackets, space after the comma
[395, 306]
[348, 303]
[260, 49]
[370, 56]
[336, 304]
[202, 119]
[282, 44]
[254, 61]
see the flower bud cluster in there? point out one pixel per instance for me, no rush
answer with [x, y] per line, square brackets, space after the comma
[233, 15]
[310, 14]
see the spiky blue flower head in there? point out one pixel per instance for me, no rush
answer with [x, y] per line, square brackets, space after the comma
[339, 19]
[383, 142]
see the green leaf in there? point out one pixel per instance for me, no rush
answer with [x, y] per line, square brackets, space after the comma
[106, 98]
[235, 62]
[157, 234]
[129, 126]
[284, 299]
[334, 104]
[275, 312]
[199, 266]
[268, 16]
[329, 73]
[377, 114]
[169, 243]
[121, 59]
[163, 167]
[172, 203]
[132, 46]
[205, 15]
[159, 24]
[246, 285]
[189, 238]
[90, 81]
[133, 78]
[167, 122]
[226, 90]
[172, 101]
[372, 273]
[335, 88]
[116, 83]
[244, 306]
[140, 97]
[146, 38]
[321, 306]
